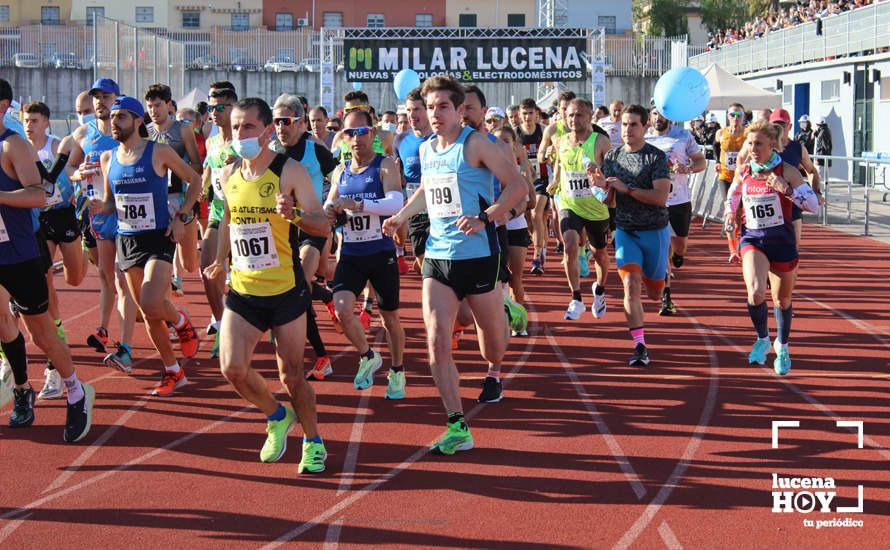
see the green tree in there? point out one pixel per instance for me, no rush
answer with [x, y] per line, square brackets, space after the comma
[723, 14]
[666, 18]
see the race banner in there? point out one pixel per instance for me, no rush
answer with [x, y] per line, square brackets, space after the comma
[530, 58]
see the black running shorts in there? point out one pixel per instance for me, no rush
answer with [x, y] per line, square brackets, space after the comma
[59, 225]
[597, 230]
[266, 312]
[380, 269]
[137, 249]
[26, 283]
[473, 276]
[680, 216]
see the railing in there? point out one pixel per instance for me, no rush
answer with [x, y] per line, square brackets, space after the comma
[49, 46]
[858, 31]
[638, 56]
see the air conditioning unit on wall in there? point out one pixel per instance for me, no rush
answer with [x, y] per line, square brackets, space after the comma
[303, 22]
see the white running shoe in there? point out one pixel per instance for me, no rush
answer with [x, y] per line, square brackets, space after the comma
[599, 303]
[575, 310]
[52, 388]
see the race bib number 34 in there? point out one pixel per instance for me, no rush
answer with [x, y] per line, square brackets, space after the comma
[442, 195]
[253, 247]
[136, 211]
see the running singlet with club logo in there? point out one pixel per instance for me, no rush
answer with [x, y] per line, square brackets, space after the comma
[454, 188]
[576, 192]
[767, 212]
[362, 233]
[261, 240]
[730, 146]
[140, 194]
[94, 144]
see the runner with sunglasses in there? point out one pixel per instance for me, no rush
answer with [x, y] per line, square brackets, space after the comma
[727, 144]
[296, 142]
[366, 189]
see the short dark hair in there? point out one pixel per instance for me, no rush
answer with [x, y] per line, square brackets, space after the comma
[303, 100]
[224, 93]
[414, 95]
[529, 103]
[356, 95]
[393, 113]
[222, 85]
[567, 95]
[637, 109]
[358, 112]
[581, 101]
[5, 90]
[322, 109]
[201, 107]
[507, 130]
[473, 89]
[37, 107]
[263, 110]
[445, 84]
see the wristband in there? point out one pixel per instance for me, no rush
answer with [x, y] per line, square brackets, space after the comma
[296, 218]
[483, 217]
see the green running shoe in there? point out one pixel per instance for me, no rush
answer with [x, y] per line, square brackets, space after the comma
[396, 387]
[276, 440]
[457, 438]
[517, 315]
[314, 455]
[782, 363]
[60, 330]
[364, 378]
[214, 353]
[759, 351]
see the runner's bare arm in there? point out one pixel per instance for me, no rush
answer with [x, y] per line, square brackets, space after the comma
[19, 160]
[513, 189]
[107, 205]
[166, 158]
[295, 182]
[546, 142]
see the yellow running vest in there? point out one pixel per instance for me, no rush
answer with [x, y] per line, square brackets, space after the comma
[261, 240]
[576, 193]
[730, 146]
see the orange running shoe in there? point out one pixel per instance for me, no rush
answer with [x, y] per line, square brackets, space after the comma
[171, 382]
[333, 312]
[403, 265]
[455, 336]
[321, 369]
[188, 337]
[365, 319]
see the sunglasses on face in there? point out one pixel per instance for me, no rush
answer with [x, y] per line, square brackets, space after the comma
[286, 120]
[493, 119]
[736, 114]
[332, 129]
[360, 131]
[356, 108]
[218, 108]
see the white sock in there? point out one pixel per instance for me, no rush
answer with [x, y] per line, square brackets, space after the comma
[74, 388]
[174, 368]
[400, 251]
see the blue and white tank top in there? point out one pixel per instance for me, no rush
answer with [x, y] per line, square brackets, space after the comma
[363, 233]
[17, 241]
[140, 194]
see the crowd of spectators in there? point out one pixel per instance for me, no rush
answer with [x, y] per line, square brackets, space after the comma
[784, 18]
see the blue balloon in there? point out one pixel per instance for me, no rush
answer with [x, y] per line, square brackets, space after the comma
[682, 94]
[405, 81]
[356, 86]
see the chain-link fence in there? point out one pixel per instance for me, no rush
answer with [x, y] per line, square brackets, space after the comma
[54, 46]
[136, 58]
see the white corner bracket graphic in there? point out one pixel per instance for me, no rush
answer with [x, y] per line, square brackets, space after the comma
[852, 509]
[782, 424]
[858, 424]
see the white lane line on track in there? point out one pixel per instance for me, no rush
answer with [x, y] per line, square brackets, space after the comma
[676, 476]
[668, 537]
[611, 442]
[867, 328]
[332, 538]
[13, 525]
[411, 460]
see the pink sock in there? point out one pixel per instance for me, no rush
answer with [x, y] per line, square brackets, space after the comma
[637, 335]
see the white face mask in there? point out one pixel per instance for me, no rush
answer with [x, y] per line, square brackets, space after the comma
[89, 117]
[389, 127]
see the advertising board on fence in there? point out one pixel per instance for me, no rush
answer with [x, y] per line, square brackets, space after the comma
[530, 58]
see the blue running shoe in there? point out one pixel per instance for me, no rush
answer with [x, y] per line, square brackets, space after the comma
[584, 262]
[782, 363]
[759, 351]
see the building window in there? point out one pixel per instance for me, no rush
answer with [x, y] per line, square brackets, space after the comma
[4, 13]
[191, 20]
[885, 88]
[145, 14]
[332, 19]
[466, 20]
[240, 21]
[284, 21]
[376, 20]
[49, 15]
[515, 19]
[831, 90]
[423, 20]
[94, 11]
[607, 22]
[787, 95]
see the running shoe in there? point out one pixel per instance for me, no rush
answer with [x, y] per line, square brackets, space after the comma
[403, 265]
[517, 315]
[491, 390]
[522, 333]
[333, 312]
[677, 260]
[640, 358]
[312, 461]
[121, 359]
[214, 351]
[79, 416]
[734, 258]
[276, 438]
[456, 335]
[365, 319]
[584, 262]
[782, 362]
[395, 388]
[60, 331]
[364, 378]
[575, 310]
[52, 388]
[321, 370]
[599, 303]
[6, 382]
[212, 328]
[560, 248]
[22, 408]
[667, 306]
[536, 268]
[457, 438]
[188, 337]
[171, 382]
[172, 333]
[176, 285]
[99, 340]
[759, 351]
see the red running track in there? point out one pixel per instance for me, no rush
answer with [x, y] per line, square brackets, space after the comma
[584, 451]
